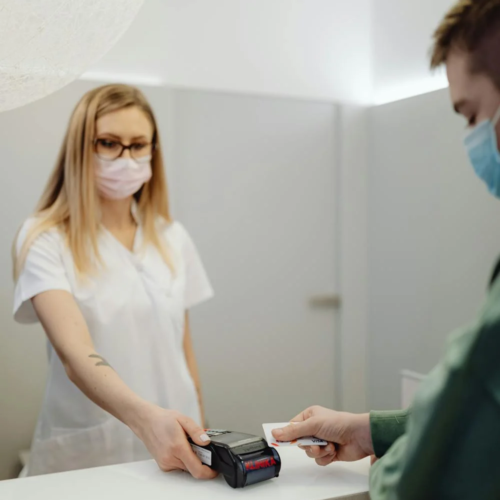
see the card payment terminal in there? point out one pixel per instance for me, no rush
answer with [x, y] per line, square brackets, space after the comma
[243, 459]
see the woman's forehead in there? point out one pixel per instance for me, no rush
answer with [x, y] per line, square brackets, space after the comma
[125, 123]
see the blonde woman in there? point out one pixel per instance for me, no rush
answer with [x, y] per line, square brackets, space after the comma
[110, 277]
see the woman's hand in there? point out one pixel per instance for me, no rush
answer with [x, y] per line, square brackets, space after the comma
[348, 434]
[164, 434]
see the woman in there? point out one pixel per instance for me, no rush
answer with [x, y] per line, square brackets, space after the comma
[110, 276]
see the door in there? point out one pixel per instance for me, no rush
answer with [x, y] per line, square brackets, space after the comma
[253, 181]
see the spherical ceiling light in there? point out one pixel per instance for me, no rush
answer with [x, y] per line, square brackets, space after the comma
[46, 44]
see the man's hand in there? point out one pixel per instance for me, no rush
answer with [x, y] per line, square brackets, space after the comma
[164, 434]
[348, 434]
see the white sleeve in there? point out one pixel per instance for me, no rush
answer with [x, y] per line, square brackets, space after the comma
[43, 270]
[198, 287]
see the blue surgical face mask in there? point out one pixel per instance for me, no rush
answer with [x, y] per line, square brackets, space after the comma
[482, 145]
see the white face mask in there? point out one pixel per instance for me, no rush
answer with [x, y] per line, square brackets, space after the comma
[118, 179]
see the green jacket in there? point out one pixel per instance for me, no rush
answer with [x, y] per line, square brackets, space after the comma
[448, 445]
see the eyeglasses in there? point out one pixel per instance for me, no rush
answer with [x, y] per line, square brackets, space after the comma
[108, 149]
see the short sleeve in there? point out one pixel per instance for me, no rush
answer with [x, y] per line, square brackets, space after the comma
[43, 270]
[198, 287]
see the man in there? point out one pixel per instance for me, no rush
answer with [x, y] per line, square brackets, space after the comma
[448, 445]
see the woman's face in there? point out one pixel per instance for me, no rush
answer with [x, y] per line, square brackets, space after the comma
[126, 126]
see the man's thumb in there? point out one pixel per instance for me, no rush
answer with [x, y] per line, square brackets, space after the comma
[295, 431]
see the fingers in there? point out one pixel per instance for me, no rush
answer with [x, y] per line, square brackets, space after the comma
[296, 431]
[170, 464]
[182, 457]
[306, 414]
[324, 455]
[319, 451]
[185, 454]
[194, 431]
[193, 465]
[323, 458]
[323, 462]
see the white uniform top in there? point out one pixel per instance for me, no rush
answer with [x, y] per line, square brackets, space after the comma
[135, 309]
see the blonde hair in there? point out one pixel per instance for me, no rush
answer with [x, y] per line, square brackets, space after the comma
[472, 26]
[70, 201]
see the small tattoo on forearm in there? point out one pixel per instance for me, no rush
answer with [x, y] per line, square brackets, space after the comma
[102, 361]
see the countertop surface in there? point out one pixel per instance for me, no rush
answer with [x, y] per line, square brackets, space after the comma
[300, 479]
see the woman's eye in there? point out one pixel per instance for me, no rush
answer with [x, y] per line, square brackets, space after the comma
[107, 144]
[138, 146]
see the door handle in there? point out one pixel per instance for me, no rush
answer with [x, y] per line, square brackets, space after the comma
[326, 301]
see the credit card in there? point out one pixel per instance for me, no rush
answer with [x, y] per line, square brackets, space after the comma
[304, 441]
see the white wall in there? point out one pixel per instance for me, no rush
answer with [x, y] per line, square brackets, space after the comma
[256, 178]
[433, 239]
[303, 48]
[401, 39]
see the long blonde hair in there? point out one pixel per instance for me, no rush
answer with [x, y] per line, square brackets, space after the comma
[70, 200]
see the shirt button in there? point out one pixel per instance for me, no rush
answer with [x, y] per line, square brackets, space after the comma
[139, 267]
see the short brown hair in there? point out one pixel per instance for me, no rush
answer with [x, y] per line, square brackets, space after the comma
[473, 26]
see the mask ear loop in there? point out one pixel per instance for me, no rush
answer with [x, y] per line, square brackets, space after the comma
[495, 121]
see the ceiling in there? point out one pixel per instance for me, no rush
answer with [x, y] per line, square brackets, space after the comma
[362, 51]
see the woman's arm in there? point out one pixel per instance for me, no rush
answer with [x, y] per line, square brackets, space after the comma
[162, 431]
[193, 365]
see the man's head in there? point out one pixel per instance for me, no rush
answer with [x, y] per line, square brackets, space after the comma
[468, 43]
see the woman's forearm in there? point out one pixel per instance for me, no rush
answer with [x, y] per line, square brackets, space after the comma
[86, 368]
[96, 378]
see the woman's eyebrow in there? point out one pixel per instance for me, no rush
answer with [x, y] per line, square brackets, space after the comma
[109, 134]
